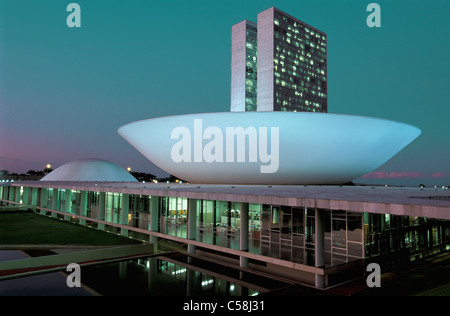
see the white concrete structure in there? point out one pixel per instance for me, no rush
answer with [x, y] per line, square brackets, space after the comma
[238, 65]
[89, 169]
[268, 147]
[265, 81]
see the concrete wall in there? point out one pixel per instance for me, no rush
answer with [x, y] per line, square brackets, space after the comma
[238, 51]
[265, 83]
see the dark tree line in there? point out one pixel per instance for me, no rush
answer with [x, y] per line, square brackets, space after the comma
[148, 177]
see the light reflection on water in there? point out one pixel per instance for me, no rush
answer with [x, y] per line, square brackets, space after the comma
[158, 277]
[172, 275]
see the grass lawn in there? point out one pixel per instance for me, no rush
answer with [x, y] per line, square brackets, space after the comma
[28, 228]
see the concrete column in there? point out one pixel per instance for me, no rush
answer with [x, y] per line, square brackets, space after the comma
[68, 204]
[101, 209]
[55, 202]
[320, 247]
[243, 238]
[34, 192]
[83, 206]
[44, 199]
[5, 192]
[39, 197]
[46, 204]
[30, 196]
[26, 194]
[8, 193]
[192, 223]
[2, 191]
[13, 194]
[17, 195]
[12, 191]
[124, 213]
[154, 218]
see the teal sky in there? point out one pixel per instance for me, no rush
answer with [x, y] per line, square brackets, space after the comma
[65, 91]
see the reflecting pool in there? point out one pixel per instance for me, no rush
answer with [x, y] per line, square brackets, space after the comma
[164, 276]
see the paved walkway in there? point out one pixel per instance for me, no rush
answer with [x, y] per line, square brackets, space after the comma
[25, 266]
[48, 284]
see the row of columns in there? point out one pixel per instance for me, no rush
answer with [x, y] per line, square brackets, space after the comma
[14, 194]
[244, 239]
[39, 197]
[31, 195]
[244, 231]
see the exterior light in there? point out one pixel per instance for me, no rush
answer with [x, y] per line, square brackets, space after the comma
[129, 169]
[48, 166]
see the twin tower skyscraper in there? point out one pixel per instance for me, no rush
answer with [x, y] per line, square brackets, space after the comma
[278, 64]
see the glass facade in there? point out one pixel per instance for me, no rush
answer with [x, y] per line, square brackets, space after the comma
[300, 66]
[250, 67]
[277, 231]
[173, 216]
[292, 61]
[112, 207]
[404, 238]
[289, 233]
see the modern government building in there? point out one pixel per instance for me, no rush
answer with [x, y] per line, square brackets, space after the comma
[278, 64]
[315, 235]
[318, 234]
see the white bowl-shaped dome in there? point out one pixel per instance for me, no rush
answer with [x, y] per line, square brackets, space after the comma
[268, 147]
[90, 169]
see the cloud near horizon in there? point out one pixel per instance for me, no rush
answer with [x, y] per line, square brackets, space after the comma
[441, 174]
[404, 175]
[394, 174]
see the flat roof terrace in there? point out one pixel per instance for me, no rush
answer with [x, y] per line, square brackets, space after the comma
[402, 201]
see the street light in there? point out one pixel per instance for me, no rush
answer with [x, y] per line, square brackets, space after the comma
[129, 169]
[48, 168]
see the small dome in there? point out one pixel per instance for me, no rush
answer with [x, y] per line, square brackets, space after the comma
[90, 170]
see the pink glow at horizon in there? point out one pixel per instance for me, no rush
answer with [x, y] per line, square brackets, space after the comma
[441, 174]
[404, 175]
